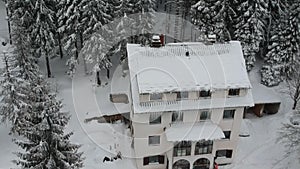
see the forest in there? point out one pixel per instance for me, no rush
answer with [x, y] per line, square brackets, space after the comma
[44, 29]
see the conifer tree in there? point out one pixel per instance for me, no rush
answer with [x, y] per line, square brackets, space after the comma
[44, 30]
[45, 144]
[13, 90]
[283, 53]
[214, 17]
[250, 28]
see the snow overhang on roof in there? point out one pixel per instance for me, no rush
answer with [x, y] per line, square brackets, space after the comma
[264, 95]
[194, 132]
[169, 68]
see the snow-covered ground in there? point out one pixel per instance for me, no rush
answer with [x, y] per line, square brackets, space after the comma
[84, 100]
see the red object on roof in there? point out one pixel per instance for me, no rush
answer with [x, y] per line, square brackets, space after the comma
[162, 39]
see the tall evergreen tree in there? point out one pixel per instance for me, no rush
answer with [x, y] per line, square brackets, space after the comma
[283, 53]
[13, 91]
[214, 17]
[45, 144]
[250, 28]
[44, 30]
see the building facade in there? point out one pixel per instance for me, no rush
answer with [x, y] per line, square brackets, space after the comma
[187, 102]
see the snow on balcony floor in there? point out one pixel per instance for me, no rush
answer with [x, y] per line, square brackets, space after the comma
[194, 132]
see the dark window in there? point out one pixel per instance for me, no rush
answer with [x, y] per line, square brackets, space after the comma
[227, 134]
[154, 140]
[205, 93]
[182, 95]
[155, 118]
[182, 148]
[155, 96]
[177, 116]
[203, 147]
[204, 115]
[228, 114]
[224, 153]
[234, 92]
[201, 163]
[159, 159]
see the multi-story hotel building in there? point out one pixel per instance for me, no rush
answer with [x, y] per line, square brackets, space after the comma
[187, 102]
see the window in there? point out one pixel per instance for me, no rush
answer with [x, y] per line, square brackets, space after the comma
[203, 147]
[234, 92]
[177, 116]
[204, 115]
[228, 114]
[182, 95]
[155, 118]
[159, 159]
[224, 153]
[155, 96]
[182, 149]
[227, 134]
[205, 93]
[154, 140]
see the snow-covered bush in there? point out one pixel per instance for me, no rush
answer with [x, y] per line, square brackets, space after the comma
[270, 76]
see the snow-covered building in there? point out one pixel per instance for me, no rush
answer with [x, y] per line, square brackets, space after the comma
[187, 102]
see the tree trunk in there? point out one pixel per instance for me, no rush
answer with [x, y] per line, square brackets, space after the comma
[76, 49]
[60, 46]
[48, 66]
[295, 104]
[107, 72]
[81, 40]
[98, 78]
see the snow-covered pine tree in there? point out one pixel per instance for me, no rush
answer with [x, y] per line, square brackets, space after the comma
[43, 31]
[144, 19]
[271, 72]
[214, 17]
[123, 33]
[94, 16]
[96, 49]
[250, 28]
[283, 52]
[71, 26]
[45, 144]
[13, 93]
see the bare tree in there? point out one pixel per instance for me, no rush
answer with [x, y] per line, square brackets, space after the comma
[293, 82]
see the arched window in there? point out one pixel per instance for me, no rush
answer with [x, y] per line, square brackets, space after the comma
[181, 164]
[201, 163]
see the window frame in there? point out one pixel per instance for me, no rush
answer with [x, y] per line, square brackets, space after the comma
[156, 98]
[159, 159]
[179, 114]
[183, 148]
[206, 92]
[231, 116]
[227, 153]
[227, 136]
[208, 115]
[153, 137]
[204, 147]
[155, 118]
[234, 92]
[180, 94]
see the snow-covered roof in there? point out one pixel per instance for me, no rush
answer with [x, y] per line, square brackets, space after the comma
[264, 95]
[194, 132]
[171, 68]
